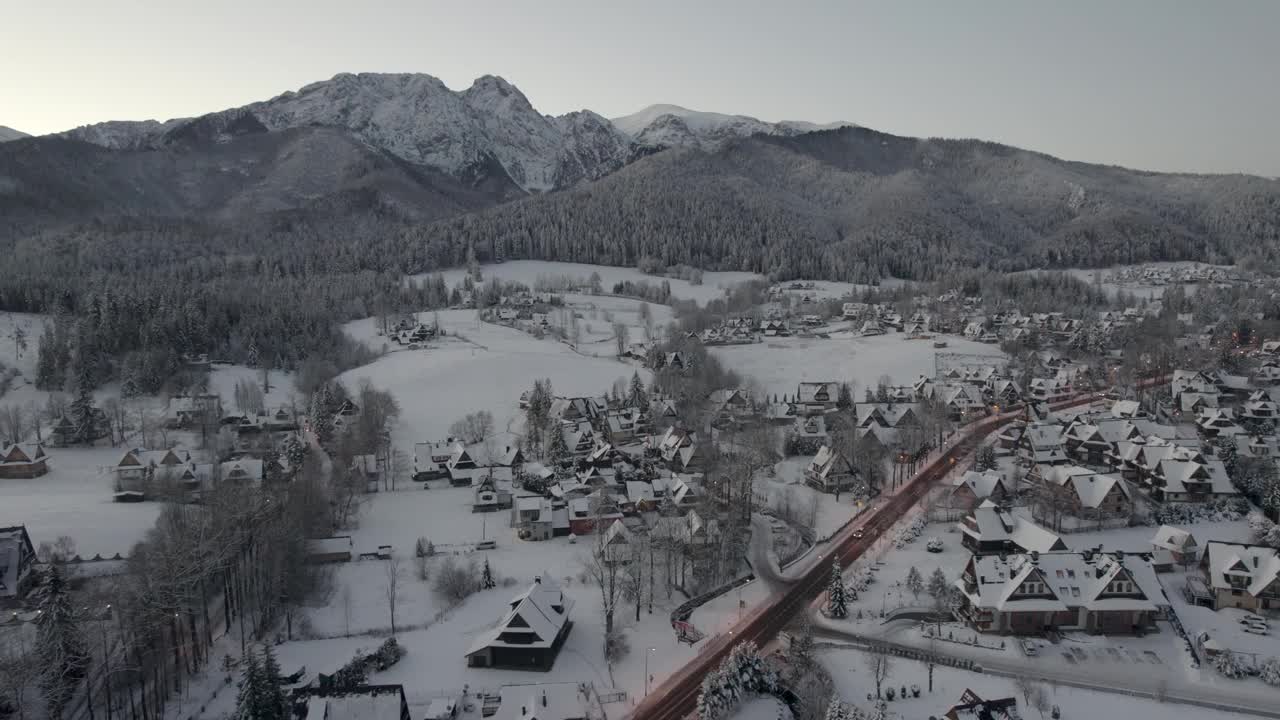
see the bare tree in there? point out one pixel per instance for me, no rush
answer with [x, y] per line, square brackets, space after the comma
[880, 665]
[249, 396]
[621, 337]
[454, 581]
[13, 423]
[391, 588]
[346, 609]
[1026, 687]
[1040, 701]
[602, 569]
[18, 672]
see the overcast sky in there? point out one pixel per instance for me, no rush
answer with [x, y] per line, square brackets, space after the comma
[1157, 84]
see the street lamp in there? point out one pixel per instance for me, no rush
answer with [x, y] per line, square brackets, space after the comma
[646, 671]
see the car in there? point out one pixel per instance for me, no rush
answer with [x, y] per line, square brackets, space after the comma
[1028, 648]
[1254, 629]
[857, 534]
[934, 545]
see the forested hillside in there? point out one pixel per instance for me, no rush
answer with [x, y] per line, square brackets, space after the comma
[854, 204]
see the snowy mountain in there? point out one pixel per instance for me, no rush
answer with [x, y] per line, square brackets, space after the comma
[675, 126]
[7, 134]
[418, 119]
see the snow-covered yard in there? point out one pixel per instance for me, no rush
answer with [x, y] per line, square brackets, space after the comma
[780, 363]
[853, 681]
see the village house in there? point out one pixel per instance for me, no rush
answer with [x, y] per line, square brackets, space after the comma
[65, 431]
[372, 702]
[1172, 547]
[543, 701]
[815, 398]
[890, 415]
[137, 469]
[17, 559]
[431, 460]
[962, 400]
[533, 517]
[1034, 593]
[23, 461]
[972, 488]
[1082, 493]
[490, 494]
[830, 471]
[1042, 443]
[992, 530]
[730, 407]
[1050, 390]
[461, 466]
[1190, 480]
[1241, 576]
[186, 411]
[530, 634]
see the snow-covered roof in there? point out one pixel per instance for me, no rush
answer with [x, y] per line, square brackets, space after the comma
[542, 701]
[371, 703]
[1090, 488]
[987, 523]
[1174, 539]
[535, 619]
[812, 392]
[1068, 579]
[1254, 567]
[981, 484]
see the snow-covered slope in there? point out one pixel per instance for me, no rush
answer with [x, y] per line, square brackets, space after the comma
[415, 117]
[7, 134]
[675, 126]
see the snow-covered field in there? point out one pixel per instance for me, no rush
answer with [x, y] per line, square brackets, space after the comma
[780, 363]
[529, 271]
[477, 366]
[74, 499]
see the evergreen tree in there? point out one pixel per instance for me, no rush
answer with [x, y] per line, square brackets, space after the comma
[837, 604]
[985, 459]
[486, 579]
[249, 698]
[915, 582]
[844, 400]
[557, 448]
[61, 649]
[274, 704]
[295, 452]
[938, 586]
[82, 410]
[638, 397]
[320, 415]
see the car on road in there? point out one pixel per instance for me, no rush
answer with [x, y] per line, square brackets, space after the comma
[857, 534]
[1028, 647]
[1256, 630]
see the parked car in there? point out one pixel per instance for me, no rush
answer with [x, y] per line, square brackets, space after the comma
[934, 545]
[1256, 630]
[1028, 647]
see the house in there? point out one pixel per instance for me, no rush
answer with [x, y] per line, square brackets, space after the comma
[17, 558]
[1083, 493]
[886, 414]
[972, 488]
[830, 471]
[815, 398]
[1173, 546]
[244, 471]
[533, 517]
[66, 429]
[543, 701]
[1050, 390]
[586, 514]
[461, 466]
[730, 406]
[363, 702]
[23, 461]
[431, 460]
[490, 494]
[972, 707]
[990, 530]
[1242, 576]
[336, 549]
[1191, 480]
[1033, 593]
[962, 400]
[138, 468]
[625, 425]
[1042, 443]
[529, 636]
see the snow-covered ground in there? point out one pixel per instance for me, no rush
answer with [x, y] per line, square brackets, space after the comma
[762, 708]
[529, 271]
[780, 363]
[789, 478]
[853, 681]
[476, 366]
[74, 499]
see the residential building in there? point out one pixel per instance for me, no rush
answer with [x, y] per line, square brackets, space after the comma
[431, 460]
[992, 530]
[1081, 493]
[973, 488]
[364, 702]
[1172, 547]
[529, 636]
[543, 701]
[1033, 593]
[23, 461]
[813, 398]
[1242, 576]
[17, 558]
[830, 471]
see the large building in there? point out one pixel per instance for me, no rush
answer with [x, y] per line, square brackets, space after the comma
[1242, 576]
[1093, 591]
[530, 635]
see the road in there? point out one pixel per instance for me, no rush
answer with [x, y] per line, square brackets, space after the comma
[677, 696]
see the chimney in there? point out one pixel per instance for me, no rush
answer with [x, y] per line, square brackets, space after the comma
[1255, 562]
[544, 698]
[537, 579]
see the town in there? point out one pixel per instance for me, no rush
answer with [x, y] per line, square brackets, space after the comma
[573, 492]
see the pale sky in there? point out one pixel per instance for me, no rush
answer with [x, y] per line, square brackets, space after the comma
[1156, 84]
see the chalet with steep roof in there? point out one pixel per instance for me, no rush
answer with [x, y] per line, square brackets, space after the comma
[529, 636]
